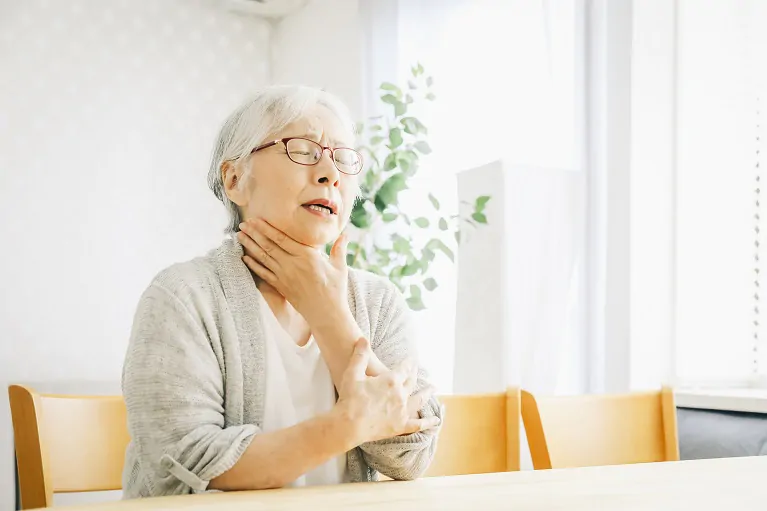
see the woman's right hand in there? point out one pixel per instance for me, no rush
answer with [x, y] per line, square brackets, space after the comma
[378, 407]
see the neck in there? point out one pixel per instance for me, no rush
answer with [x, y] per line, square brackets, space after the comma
[277, 302]
[288, 317]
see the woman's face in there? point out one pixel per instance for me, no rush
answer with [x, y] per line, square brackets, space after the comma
[281, 191]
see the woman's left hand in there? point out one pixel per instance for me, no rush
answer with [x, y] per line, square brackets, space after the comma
[315, 284]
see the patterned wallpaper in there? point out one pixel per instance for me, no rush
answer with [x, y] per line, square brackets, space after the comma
[108, 109]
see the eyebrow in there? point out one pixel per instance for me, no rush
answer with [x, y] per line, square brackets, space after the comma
[314, 136]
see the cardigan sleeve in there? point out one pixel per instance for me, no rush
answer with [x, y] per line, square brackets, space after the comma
[403, 457]
[174, 392]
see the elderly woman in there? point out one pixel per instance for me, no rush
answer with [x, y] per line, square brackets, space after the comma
[266, 362]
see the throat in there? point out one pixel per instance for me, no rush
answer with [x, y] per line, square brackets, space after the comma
[288, 317]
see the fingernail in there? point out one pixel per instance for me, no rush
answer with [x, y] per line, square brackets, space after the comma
[242, 225]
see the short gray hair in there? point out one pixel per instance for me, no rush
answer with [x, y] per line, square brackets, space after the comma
[266, 113]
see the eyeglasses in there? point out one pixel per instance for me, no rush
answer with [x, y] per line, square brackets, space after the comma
[308, 152]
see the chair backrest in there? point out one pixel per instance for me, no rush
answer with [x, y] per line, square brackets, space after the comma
[590, 430]
[66, 443]
[479, 434]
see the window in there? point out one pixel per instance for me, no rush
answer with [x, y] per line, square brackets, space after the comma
[721, 321]
[507, 79]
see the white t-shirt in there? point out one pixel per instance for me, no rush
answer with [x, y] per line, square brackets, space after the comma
[298, 388]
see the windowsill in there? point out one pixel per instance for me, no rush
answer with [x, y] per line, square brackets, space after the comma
[734, 400]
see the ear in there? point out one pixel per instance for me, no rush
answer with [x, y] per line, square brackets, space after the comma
[231, 176]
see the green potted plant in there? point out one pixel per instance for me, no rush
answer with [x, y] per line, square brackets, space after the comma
[386, 240]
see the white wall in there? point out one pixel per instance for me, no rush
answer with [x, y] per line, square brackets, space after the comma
[108, 111]
[321, 46]
[653, 192]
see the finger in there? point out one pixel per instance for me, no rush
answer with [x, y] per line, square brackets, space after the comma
[404, 370]
[339, 251]
[255, 251]
[281, 239]
[359, 361]
[418, 400]
[262, 271]
[416, 425]
[412, 377]
[265, 243]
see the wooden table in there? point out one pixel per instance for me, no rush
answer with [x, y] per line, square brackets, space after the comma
[730, 484]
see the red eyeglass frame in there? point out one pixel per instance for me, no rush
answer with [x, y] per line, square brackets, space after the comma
[331, 149]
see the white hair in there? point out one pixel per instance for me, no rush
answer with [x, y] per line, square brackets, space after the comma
[266, 113]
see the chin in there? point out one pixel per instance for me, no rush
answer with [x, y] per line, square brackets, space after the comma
[315, 237]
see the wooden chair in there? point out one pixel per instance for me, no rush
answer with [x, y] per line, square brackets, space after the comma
[479, 434]
[581, 431]
[66, 444]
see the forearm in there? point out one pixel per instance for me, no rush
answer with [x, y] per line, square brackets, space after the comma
[336, 335]
[275, 459]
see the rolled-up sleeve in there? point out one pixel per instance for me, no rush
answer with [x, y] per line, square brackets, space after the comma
[403, 457]
[173, 386]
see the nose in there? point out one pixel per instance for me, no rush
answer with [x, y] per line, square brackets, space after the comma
[326, 172]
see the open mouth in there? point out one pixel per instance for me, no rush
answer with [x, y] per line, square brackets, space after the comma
[322, 206]
[321, 209]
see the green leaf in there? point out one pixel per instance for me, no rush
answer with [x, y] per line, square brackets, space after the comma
[403, 163]
[415, 291]
[395, 273]
[368, 184]
[422, 147]
[410, 269]
[481, 202]
[422, 222]
[438, 244]
[360, 217]
[390, 163]
[383, 256]
[430, 284]
[395, 138]
[479, 217]
[390, 98]
[376, 140]
[430, 96]
[442, 224]
[376, 127]
[387, 194]
[434, 202]
[413, 125]
[428, 255]
[458, 236]
[350, 259]
[400, 245]
[415, 304]
[419, 69]
[389, 86]
[389, 217]
[429, 81]
[399, 109]
[408, 98]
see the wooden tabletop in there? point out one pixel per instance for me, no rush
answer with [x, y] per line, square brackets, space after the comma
[730, 484]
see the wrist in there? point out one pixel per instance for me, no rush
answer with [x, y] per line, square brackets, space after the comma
[336, 324]
[344, 426]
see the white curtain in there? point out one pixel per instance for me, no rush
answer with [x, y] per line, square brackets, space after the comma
[508, 85]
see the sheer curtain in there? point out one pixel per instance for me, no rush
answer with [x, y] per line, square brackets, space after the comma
[508, 82]
[721, 323]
